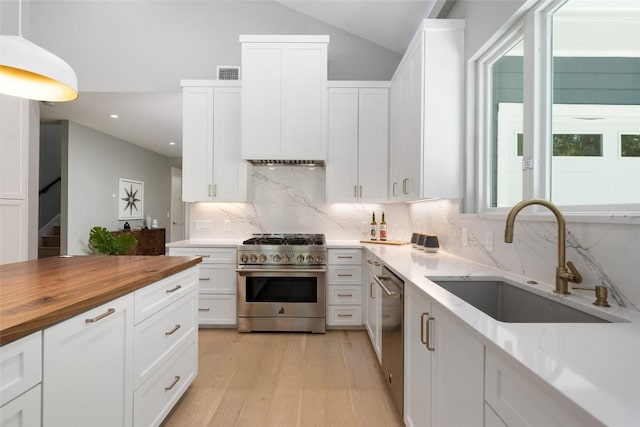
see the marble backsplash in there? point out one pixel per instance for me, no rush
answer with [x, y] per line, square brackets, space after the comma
[292, 200]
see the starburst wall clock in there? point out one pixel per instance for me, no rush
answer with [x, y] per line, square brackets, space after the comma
[130, 199]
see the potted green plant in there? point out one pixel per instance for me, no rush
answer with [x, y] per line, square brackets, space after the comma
[102, 241]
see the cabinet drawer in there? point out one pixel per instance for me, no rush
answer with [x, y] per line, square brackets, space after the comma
[25, 411]
[345, 256]
[519, 398]
[344, 315]
[344, 275]
[155, 398]
[217, 309]
[344, 295]
[21, 363]
[217, 278]
[160, 334]
[153, 298]
[209, 255]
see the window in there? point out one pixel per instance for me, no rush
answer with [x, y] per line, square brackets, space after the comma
[558, 100]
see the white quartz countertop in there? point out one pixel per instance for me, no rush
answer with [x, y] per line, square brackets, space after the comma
[596, 365]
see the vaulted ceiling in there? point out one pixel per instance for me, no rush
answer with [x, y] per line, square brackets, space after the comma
[130, 55]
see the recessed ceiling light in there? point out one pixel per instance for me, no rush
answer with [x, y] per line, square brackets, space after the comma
[114, 116]
[172, 143]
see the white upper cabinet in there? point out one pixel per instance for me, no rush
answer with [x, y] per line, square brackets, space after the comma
[358, 143]
[284, 97]
[426, 114]
[211, 166]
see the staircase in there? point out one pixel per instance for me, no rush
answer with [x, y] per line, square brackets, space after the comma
[50, 245]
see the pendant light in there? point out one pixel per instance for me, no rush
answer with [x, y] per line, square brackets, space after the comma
[31, 72]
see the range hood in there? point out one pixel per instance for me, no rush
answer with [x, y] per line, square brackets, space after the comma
[307, 163]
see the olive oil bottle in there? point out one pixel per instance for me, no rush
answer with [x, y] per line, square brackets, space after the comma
[374, 227]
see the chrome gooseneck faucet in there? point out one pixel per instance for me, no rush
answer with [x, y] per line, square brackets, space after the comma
[564, 273]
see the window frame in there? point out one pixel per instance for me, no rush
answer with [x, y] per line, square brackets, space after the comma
[532, 23]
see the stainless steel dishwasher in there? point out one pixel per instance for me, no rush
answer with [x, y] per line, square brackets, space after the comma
[392, 333]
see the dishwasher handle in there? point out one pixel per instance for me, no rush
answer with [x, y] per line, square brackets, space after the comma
[379, 280]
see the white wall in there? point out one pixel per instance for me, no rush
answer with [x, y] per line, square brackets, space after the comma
[148, 46]
[93, 165]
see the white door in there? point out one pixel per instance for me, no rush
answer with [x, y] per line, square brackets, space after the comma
[177, 206]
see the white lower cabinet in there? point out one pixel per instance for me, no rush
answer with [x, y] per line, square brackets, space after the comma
[217, 288]
[373, 304]
[157, 396]
[518, 398]
[23, 411]
[344, 287]
[21, 364]
[87, 377]
[444, 366]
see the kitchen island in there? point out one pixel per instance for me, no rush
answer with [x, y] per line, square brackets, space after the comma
[97, 340]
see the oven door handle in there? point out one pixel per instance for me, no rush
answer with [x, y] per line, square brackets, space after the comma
[379, 280]
[281, 270]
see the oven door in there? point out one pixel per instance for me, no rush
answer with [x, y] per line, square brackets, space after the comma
[281, 293]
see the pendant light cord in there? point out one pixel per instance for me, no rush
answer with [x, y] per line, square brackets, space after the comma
[20, 18]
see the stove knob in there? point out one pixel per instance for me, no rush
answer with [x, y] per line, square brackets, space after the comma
[300, 258]
[309, 258]
[253, 258]
[277, 258]
[263, 258]
[319, 259]
[285, 258]
[244, 258]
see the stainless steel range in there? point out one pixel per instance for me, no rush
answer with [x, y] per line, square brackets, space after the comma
[281, 283]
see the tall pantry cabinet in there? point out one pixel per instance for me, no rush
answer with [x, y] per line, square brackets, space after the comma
[426, 114]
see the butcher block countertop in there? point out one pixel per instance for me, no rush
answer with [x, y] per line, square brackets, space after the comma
[39, 293]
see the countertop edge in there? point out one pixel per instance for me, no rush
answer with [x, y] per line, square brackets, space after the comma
[50, 318]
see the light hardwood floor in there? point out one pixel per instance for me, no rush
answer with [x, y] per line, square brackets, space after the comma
[286, 379]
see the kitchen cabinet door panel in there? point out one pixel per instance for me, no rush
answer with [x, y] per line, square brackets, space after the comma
[87, 370]
[197, 136]
[261, 100]
[373, 144]
[229, 170]
[23, 411]
[342, 168]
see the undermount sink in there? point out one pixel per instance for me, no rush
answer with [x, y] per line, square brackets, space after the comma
[508, 303]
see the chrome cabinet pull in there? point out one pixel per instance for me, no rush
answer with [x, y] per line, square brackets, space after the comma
[102, 316]
[369, 261]
[344, 257]
[345, 315]
[173, 289]
[355, 191]
[204, 278]
[404, 186]
[204, 309]
[175, 381]
[371, 290]
[377, 264]
[203, 256]
[171, 332]
[361, 191]
[215, 190]
[345, 275]
[394, 189]
[345, 295]
[428, 343]
[210, 190]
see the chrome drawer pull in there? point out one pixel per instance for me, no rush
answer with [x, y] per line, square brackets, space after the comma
[345, 315]
[174, 289]
[204, 278]
[345, 295]
[344, 257]
[171, 332]
[175, 381]
[203, 256]
[102, 316]
[422, 339]
[204, 309]
[345, 275]
[428, 343]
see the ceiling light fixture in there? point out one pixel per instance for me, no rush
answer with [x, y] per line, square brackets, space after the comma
[31, 72]
[172, 143]
[114, 116]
